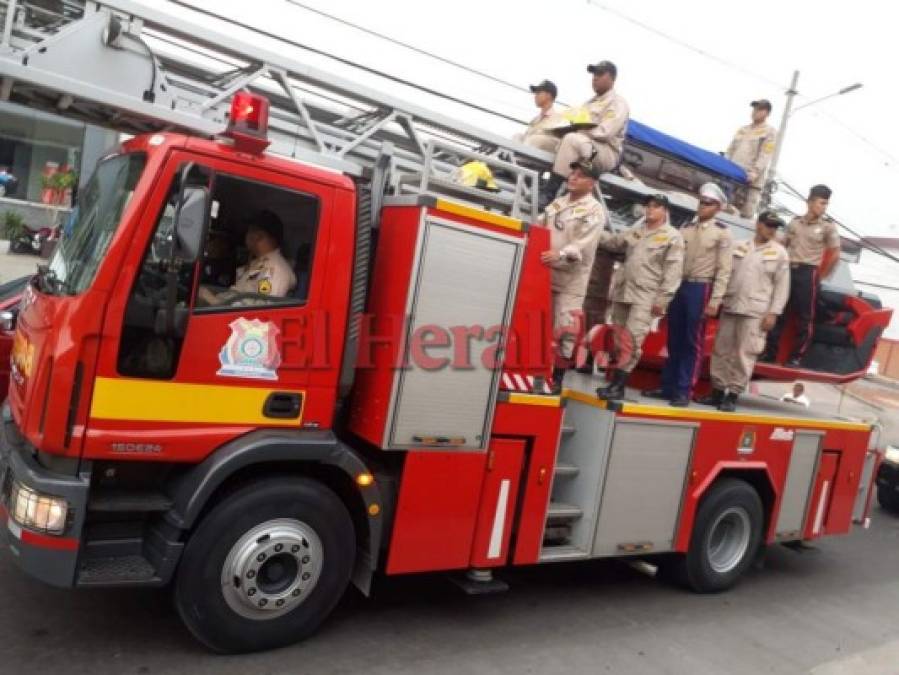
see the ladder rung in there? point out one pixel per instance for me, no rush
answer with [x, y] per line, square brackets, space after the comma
[564, 470]
[558, 510]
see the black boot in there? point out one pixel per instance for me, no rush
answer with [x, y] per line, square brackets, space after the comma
[558, 376]
[587, 368]
[713, 399]
[549, 190]
[615, 388]
[729, 404]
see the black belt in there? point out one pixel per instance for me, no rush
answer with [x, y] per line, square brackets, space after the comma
[799, 266]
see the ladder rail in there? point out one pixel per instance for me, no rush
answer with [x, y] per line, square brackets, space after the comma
[138, 68]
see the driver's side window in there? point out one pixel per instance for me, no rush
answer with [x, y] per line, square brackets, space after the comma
[158, 308]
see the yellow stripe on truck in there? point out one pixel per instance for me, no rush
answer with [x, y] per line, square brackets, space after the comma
[149, 401]
[478, 214]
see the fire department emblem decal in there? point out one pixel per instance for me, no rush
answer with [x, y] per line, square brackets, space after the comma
[251, 351]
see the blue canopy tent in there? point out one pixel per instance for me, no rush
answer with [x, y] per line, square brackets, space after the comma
[641, 134]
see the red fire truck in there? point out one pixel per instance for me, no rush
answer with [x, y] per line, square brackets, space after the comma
[388, 415]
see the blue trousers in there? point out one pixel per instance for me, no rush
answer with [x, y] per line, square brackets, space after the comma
[686, 337]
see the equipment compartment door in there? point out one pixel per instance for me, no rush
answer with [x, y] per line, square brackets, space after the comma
[499, 497]
[644, 487]
[822, 494]
[466, 278]
[798, 486]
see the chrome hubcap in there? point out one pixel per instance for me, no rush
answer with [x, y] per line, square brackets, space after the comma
[272, 569]
[728, 540]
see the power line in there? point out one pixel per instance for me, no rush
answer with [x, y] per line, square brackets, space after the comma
[348, 62]
[686, 45]
[411, 47]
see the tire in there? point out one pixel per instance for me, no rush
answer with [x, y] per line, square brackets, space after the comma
[888, 498]
[265, 566]
[726, 537]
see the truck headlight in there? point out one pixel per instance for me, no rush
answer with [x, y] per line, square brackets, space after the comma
[892, 454]
[35, 511]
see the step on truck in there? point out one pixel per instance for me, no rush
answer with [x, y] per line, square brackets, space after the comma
[389, 414]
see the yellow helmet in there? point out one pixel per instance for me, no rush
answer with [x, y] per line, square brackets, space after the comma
[578, 116]
[475, 174]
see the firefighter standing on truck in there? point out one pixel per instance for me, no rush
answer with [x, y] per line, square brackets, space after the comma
[756, 294]
[643, 287]
[707, 265]
[813, 244]
[599, 144]
[537, 134]
[752, 148]
[575, 221]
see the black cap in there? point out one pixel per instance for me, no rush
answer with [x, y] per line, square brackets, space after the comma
[658, 198]
[603, 67]
[762, 103]
[269, 222]
[820, 191]
[771, 219]
[587, 167]
[547, 86]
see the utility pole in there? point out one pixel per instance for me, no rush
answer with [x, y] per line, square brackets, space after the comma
[778, 143]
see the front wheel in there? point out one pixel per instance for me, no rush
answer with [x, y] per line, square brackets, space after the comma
[726, 536]
[266, 565]
[888, 498]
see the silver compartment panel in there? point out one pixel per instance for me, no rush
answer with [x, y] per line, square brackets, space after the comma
[798, 488]
[464, 277]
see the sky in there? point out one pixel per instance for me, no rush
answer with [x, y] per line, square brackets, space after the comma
[748, 51]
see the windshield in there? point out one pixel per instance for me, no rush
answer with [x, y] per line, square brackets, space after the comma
[93, 222]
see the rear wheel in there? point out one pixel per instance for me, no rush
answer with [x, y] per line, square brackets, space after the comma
[888, 498]
[726, 536]
[266, 565]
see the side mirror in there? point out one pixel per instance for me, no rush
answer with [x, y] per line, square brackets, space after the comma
[190, 220]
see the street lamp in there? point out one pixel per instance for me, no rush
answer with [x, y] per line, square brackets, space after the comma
[781, 132]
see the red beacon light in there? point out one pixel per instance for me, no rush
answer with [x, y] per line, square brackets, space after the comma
[248, 122]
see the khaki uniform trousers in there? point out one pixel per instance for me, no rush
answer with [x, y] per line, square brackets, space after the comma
[751, 202]
[566, 308]
[738, 343]
[576, 146]
[638, 320]
[545, 142]
[596, 302]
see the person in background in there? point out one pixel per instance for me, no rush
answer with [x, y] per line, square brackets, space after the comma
[601, 144]
[752, 148]
[645, 283]
[813, 244]
[797, 396]
[537, 134]
[575, 221]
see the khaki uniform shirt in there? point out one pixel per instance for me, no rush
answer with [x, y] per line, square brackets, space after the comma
[542, 124]
[269, 274]
[806, 240]
[752, 148]
[574, 226]
[760, 281]
[610, 112]
[707, 255]
[653, 264]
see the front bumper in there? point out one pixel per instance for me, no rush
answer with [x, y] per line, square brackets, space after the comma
[51, 558]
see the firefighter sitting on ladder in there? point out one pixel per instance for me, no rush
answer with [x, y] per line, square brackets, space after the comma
[537, 134]
[756, 295]
[602, 142]
[575, 221]
[643, 287]
[707, 264]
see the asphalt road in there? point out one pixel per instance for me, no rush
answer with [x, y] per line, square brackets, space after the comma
[833, 609]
